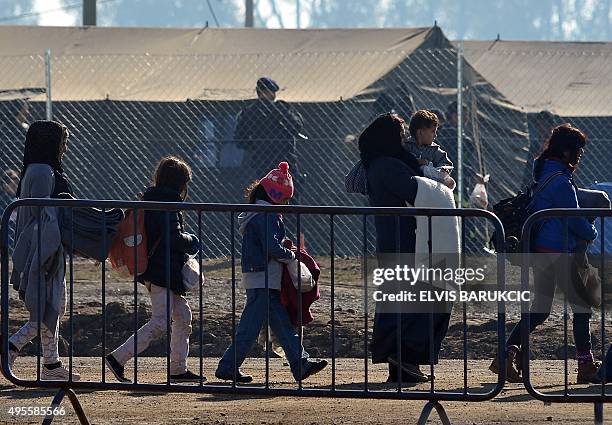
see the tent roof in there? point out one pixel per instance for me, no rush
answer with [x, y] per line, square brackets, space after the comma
[568, 79]
[146, 64]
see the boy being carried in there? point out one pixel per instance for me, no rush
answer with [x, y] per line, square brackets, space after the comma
[433, 160]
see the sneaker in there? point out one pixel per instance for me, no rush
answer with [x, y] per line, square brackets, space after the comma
[587, 373]
[310, 367]
[186, 377]
[241, 378]
[513, 366]
[410, 372]
[59, 373]
[116, 368]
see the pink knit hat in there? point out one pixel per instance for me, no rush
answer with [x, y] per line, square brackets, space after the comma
[278, 183]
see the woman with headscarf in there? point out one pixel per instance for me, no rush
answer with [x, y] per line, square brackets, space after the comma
[39, 263]
[393, 181]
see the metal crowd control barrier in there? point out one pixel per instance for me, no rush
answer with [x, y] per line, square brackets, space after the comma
[601, 396]
[433, 396]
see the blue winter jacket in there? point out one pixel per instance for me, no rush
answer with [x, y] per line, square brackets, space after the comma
[560, 192]
[253, 231]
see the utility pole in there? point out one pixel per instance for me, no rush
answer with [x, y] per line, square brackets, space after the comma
[297, 14]
[248, 19]
[89, 12]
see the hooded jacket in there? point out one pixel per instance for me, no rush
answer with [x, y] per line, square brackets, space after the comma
[181, 244]
[256, 255]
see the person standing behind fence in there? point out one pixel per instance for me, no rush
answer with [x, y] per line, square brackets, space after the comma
[170, 184]
[539, 131]
[556, 165]
[42, 176]
[262, 248]
[267, 130]
[447, 137]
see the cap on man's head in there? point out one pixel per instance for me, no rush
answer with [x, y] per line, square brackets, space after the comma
[267, 83]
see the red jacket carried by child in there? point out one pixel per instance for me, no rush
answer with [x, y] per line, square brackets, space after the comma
[289, 295]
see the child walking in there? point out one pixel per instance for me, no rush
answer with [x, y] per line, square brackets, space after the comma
[42, 176]
[170, 182]
[261, 251]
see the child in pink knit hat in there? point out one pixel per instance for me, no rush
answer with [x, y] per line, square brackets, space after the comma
[263, 255]
[278, 184]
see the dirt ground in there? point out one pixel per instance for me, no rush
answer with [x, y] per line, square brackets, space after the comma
[348, 315]
[512, 406]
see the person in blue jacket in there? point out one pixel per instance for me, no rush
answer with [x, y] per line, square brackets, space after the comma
[554, 169]
[263, 256]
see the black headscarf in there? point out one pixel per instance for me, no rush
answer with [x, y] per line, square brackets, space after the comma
[43, 145]
[383, 137]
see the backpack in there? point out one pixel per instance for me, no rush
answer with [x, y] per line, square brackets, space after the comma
[122, 254]
[513, 213]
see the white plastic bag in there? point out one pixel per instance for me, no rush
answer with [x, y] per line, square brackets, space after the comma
[191, 275]
[479, 197]
[306, 279]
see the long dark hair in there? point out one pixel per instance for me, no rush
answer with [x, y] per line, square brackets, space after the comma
[564, 138]
[256, 192]
[45, 143]
[173, 173]
[385, 137]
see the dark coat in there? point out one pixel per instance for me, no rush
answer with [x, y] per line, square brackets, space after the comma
[181, 243]
[266, 131]
[390, 184]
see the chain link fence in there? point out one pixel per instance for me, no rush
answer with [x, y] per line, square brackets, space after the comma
[125, 112]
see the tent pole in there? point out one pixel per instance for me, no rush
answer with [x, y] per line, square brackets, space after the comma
[49, 108]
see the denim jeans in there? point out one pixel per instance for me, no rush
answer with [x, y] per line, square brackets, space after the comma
[252, 319]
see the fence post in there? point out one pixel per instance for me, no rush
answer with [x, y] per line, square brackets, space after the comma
[49, 109]
[598, 413]
[460, 124]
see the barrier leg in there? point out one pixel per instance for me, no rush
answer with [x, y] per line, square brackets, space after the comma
[57, 400]
[599, 414]
[427, 411]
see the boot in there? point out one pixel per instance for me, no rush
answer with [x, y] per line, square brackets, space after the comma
[587, 372]
[513, 365]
